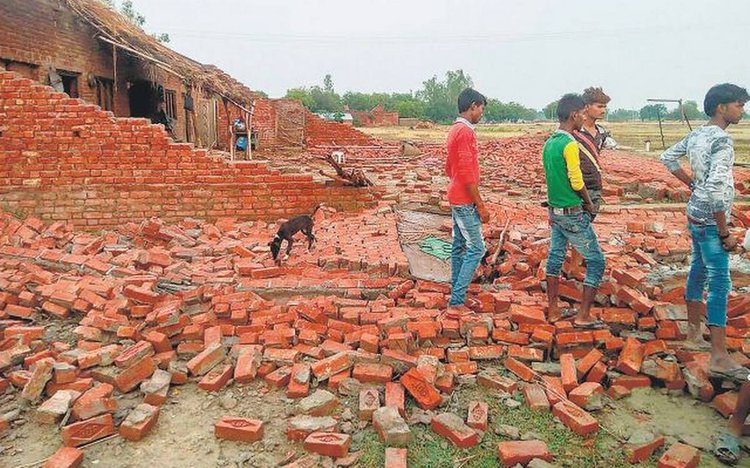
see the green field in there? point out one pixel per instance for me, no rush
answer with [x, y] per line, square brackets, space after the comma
[628, 134]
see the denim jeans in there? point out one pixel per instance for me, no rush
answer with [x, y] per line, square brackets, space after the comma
[596, 199]
[575, 229]
[467, 251]
[710, 264]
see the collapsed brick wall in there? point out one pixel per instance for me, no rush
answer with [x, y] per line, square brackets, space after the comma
[62, 159]
[323, 132]
[376, 117]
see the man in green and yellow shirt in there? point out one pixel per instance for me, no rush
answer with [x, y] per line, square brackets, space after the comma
[570, 212]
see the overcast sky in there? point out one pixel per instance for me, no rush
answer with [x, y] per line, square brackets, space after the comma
[529, 51]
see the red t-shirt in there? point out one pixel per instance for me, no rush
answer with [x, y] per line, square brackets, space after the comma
[462, 165]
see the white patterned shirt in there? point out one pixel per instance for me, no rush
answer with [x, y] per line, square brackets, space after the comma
[710, 151]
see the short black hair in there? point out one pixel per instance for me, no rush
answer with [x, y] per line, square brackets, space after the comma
[568, 104]
[723, 94]
[468, 97]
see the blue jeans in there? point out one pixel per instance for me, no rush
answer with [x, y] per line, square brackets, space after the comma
[575, 229]
[467, 251]
[710, 264]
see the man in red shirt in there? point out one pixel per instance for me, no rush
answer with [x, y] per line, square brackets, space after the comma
[467, 209]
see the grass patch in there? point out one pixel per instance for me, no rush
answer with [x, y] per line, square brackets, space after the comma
[428, 450]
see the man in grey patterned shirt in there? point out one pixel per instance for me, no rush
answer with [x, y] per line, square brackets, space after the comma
[710, 151]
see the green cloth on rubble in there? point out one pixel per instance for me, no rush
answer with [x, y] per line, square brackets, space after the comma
[436, 247]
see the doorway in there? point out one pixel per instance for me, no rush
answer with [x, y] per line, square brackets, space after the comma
[142, 98]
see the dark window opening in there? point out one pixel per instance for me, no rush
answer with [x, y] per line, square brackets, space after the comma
[170, 103]
[69, 82]
[143, 99]
[104, 93]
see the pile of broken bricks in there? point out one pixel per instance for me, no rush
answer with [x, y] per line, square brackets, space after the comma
[157, 306]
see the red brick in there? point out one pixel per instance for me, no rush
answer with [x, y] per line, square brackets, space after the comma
[394, 396]
[239, 429]
[597, 373]
[618, 392]
[680, 456]
[329, 366]
[129, 378]
[206, 359]
[159, 341]
[423, 392]
[587, 396]
[87, 431]
[139, 422]
[554, 389]
[725, 403]
[279, 378]
[372, 373]
[638, 453]
[216, 378]
[329, 444]
[477, 415]
[518, 368]
[632, 382]
[568, 372]
[134, 353]
[40, 375]
[247, 366]
[631, 357]
[65, 457]
[94, 402]
[299, 381]
[584, 365]
[536, 398]
[395, 457]
[490, 378]
[575, 418]
[452, 427]
[369, 402]
[522, 452]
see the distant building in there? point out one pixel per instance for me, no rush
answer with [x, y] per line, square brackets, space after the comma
[376, 117]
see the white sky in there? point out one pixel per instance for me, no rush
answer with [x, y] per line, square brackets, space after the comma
[530, 51]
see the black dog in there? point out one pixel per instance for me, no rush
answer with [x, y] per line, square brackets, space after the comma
[287, 231]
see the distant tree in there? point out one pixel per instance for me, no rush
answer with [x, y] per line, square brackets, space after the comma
[128, 11]
[441, 97]
[652, 112]
[410, 108]
[622, 115]
[357, 101]
[691, 111]
[550, 111]
[497, 111]
[301, 94]
[262, 94]
[318, 99]
[328, 83]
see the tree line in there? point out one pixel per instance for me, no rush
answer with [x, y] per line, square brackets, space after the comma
[436, 101]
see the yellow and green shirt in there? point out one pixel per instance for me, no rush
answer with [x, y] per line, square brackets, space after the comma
[562, 169]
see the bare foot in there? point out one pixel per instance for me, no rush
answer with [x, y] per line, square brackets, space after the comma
[553, 314]
[457, 311]
[723, 363]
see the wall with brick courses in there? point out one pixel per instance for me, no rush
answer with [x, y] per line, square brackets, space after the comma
[323, 132]
[377, 117]
[63, 159]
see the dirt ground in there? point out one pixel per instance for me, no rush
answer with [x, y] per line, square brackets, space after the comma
[184, 436]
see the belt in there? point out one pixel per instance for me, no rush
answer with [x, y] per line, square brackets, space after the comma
[565, 211]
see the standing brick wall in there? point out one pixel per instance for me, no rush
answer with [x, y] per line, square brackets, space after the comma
[63, 159]
[323, 132]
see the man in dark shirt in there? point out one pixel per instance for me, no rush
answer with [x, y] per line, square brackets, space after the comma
[592, 138]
